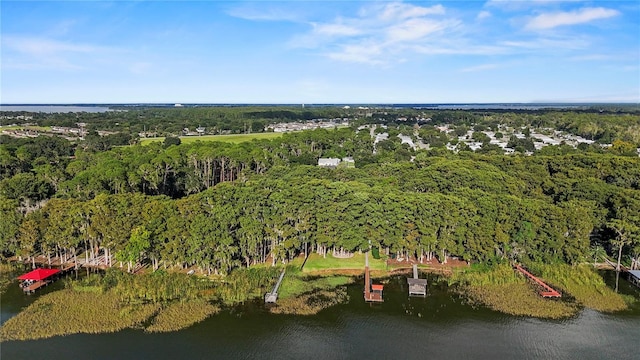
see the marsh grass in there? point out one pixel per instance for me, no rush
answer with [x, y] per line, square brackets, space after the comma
[502, 289]
[67, 312]
[311, 303]
[179, 316]
[519, 299]
[584, 284]
[244, 284]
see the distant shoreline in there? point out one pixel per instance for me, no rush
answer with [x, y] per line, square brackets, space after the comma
[103, 107]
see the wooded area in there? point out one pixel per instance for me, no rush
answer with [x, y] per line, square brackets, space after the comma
[221, 206]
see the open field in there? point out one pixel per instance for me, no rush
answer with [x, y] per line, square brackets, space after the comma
[233, 138]
[316, 262]
[20, 127]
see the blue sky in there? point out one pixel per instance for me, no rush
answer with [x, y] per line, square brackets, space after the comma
[319, 51]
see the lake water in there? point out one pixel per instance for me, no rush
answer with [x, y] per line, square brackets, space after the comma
[439, 326]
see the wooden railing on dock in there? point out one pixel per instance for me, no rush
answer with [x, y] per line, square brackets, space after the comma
[615, 265]
[272, 297]
[550, 292]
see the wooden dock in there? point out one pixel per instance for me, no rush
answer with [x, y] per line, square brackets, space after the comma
[417, 286]
[372, 292]
[272, 297]
[30, 289]
[547, 291]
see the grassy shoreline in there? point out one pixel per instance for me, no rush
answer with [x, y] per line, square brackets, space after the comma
[163, 302]
[503, 290]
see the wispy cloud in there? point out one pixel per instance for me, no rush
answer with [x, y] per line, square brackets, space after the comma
[42, 46]
[479, 68]
[551, 20]
[386, 33]
[526, 4]
[483, 15]
[378, 33]
[32, 53]
[249, 12]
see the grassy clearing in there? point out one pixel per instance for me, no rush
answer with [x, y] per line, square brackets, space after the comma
[317, 263]
[70, 312]
[584, 284]
[233, 138]
[179, 316]
[294, 285]
[21, 127]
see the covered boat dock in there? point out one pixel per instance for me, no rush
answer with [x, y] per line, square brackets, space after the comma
[417, 286]
[36, 279]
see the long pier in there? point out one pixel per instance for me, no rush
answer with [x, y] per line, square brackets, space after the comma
[615, 265]
[550, 292]
[272, 297]
[372, 292]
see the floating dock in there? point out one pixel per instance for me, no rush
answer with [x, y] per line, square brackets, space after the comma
[417, 286]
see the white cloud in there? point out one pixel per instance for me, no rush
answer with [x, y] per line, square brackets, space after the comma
[359, 53]
[483, 15]
[34, 53]
[336, 30]
[401, 11]
[378, 33]
[257, 14]
[585, 15]
[414, 29]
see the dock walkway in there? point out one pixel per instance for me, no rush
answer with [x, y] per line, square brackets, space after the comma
[272, 297]
[550, 292]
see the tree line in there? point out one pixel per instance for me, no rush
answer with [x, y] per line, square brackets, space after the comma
[486, 208]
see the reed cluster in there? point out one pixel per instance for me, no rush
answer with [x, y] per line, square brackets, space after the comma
[519, 299]
[584, 284]
[67, 312]
[181, 315]
[500, 288]
[311, 303]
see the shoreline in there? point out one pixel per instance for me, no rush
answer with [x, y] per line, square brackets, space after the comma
[309, 293]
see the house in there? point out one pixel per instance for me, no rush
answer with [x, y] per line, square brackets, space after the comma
[331, 163]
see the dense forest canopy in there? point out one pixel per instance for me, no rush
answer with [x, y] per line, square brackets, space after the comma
[220, 206]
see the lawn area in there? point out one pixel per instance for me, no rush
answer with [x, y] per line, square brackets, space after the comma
[233, 138]
[20, 127]
[316, 262]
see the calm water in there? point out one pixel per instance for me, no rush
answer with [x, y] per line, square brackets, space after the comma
[436, 327]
